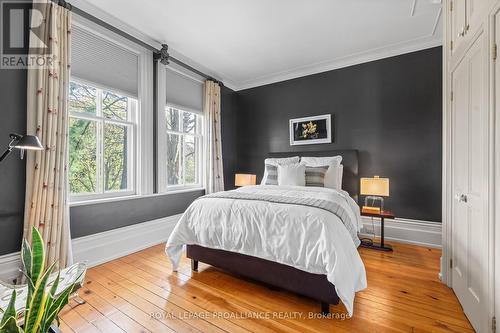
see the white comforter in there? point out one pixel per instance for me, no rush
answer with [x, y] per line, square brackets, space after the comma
[307, 238]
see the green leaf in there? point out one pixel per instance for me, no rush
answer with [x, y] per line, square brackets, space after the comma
[38, 256]
[50, 301]
[26, 258]
[56, 307]
[11, 309]
[38, 304]
[10, 326]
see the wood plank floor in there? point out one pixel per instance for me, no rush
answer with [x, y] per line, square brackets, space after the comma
[139, 293]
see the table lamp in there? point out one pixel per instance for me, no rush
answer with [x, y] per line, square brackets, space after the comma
[375, 189]
[243, 179]
[26, 142]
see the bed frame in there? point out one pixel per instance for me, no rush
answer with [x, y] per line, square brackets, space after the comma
[315, 286]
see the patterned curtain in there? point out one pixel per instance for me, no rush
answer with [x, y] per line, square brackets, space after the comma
[46, 172]
[214, 175]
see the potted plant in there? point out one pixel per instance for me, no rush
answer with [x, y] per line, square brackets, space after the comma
[43, 301]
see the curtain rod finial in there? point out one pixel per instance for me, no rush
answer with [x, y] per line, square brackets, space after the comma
[164, 55]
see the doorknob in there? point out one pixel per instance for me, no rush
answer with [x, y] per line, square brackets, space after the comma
[461, 197]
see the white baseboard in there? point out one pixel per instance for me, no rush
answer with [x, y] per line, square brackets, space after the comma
[105, 246]
[9, 266]
[415, 232]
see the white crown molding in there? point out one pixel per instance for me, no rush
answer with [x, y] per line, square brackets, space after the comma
[105, 246]
[416, 232]
[354, 59]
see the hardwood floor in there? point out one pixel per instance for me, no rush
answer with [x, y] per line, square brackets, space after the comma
[139, 293]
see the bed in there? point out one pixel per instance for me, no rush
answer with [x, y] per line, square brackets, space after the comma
[308, 249]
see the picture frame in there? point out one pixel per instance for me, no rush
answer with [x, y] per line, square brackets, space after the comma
[311, 130]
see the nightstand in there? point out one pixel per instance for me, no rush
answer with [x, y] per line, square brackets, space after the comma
[385, 214]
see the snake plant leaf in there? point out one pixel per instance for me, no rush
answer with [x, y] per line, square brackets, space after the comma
[38, 256]
[31, 287]
[38, 303]
[10, 326]
[26, 258]
[50, 301]
[11, 309]
[57, 306]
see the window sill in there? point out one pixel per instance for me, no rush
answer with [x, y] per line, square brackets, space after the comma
[132, 197]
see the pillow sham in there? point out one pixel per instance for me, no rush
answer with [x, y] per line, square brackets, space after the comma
[292, 174]
[276, 162]
[315, 176]
[333, 176]
[270, 175]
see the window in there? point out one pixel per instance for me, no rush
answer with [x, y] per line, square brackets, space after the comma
[102, 128]
[184, 148]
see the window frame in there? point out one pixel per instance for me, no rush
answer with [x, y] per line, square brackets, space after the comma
[199, 137]
[143, 140]
[101, 120]
[161, 137]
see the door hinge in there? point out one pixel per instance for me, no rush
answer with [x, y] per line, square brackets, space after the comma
[451, 45]
[494, 324]
[451, 263]
[495, 51]
[451, 96]
[451, 6]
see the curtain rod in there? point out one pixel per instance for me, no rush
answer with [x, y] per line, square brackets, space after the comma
[160, 55]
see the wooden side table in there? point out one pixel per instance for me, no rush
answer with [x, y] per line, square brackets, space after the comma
[385, 214]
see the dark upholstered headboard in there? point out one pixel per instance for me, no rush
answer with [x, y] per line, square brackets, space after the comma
[350, 179]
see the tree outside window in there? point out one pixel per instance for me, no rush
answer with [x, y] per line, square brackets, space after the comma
[101, 141]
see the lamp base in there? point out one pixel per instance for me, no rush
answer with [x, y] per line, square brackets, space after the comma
[371, 207]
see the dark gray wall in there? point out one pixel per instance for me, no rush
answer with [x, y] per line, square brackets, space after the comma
[90, 219]
[390, 110]
[12, 169]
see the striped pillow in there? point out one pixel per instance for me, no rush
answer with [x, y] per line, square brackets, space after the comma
[315, 176]
[271, 175]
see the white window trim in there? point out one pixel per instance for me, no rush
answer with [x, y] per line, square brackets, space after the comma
[143, 138]
[162, 179]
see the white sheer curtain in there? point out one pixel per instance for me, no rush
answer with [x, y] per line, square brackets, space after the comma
[46, 171]
[214, 174]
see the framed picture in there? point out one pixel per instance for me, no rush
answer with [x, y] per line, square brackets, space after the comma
[311, 130]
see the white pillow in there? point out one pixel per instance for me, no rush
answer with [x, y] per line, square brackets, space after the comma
[292, 174]
[321, 161]
[333, 177]
[276, 162]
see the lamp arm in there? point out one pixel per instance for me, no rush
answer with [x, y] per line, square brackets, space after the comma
[9, 149]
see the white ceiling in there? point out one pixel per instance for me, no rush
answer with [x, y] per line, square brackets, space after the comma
[247, 43]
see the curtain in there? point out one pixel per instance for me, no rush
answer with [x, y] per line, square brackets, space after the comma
[47, 117]
[214, 175]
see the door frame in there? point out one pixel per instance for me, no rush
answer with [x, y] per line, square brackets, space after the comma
[449, 63]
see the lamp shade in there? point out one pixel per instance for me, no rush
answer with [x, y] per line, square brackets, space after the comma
[375, 186]
[243, 179]
[29, 142]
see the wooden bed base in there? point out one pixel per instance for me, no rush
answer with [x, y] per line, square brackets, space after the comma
[315, 286]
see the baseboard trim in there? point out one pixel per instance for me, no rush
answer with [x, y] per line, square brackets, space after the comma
[408, 231]
[105, 246]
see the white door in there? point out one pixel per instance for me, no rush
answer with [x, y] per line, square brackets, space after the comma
[458, 22]
[470, 262]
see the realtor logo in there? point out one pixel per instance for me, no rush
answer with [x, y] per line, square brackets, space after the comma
[22, 31]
